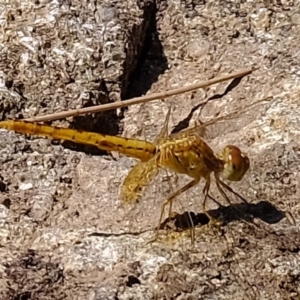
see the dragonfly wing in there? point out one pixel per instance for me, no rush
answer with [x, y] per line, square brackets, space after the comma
[164, 131]
[208, 128]
[137, 179]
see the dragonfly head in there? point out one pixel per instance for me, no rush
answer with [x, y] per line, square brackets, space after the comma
[236, 163]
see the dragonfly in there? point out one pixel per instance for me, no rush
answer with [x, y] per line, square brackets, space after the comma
[185, 152]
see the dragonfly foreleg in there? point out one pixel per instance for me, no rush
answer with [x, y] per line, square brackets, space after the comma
[219, 183]
[227, 187]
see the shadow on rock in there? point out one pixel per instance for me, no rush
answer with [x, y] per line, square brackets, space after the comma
[263, 210]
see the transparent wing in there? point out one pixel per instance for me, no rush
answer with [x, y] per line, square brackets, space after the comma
[164, 132]
[137, 179]
[143, 172]
[224, 123]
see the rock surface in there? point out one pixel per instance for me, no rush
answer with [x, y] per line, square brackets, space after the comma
[65, 234]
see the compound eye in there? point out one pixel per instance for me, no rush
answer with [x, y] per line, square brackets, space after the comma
[236, 163]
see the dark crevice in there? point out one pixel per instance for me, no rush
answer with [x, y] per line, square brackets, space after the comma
[151, 61]
[186, 121]
[132, 280]
[145, 61]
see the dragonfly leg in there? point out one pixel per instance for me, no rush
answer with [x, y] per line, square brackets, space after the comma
[213, 199]
[170, 209]
[219, 183]
[227, 187]
[222, 191]
[212, 220]
[169, 201]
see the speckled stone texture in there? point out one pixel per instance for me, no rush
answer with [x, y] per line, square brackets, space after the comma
[64, 231]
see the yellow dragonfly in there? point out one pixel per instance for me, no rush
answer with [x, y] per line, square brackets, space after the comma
[184, 152]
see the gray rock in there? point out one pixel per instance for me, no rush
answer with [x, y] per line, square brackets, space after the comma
[65, 233]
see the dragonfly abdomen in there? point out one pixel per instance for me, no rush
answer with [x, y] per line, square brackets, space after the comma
[140, 149]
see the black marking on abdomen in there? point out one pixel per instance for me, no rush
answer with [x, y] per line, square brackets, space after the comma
[105, 144]
[121, 146]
